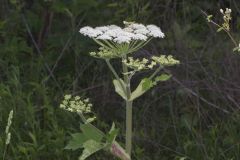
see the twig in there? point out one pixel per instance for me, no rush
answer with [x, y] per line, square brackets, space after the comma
[65, 46]
[228, 33]
[39, 52]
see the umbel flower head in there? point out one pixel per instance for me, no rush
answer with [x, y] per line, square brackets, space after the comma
[138, 64]
[164, 60]
[78, 105]
[118, 41]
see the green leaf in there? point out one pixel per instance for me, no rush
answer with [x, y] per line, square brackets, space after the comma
[147, 84]
[77, 141]
[143, 86]
[90, 147]
[163, 77]
[112, 134]
[119, 89]
[92, 132]
[89, 132]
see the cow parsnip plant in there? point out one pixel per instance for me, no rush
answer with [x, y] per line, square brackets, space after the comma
[117, 43]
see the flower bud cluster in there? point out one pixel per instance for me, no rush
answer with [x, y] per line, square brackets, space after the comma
[226, 17]
[103, 53]
[138, 65]
[164, 60]
[76, 104]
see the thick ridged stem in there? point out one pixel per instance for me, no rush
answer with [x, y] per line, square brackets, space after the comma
[128, 140]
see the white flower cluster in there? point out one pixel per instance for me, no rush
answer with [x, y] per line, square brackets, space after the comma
[227, 11]
[165, 60]
[131, 32]
[226, 17]
[76, 104]
[138, 65]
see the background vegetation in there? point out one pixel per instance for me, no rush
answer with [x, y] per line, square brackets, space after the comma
[194, 116]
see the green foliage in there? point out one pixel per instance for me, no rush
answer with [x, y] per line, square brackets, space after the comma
[90, 147]
[147, 84]
[91, 140]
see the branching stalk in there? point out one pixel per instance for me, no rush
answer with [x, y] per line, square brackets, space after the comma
[116, 75]
[128, 140]
[156, 72]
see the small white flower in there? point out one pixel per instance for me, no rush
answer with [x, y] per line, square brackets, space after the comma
[113, 27]
[77, 98]
[152, 27]
[122, 39]
[157, 34]
[221, 10]
[62, 106]
[113, 32]
[104, 37]
[140, 37]
[102, 28]
[228, 10]
[155, 31]
[137, 26]
[141, 31]
[128, 29]
[67, 97]
[90, 32]
[126, 34]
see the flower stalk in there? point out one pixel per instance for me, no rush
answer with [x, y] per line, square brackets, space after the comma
[128, 140]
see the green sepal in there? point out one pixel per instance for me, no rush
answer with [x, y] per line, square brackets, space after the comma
[119, 89]
[111, 135]
[143, 86]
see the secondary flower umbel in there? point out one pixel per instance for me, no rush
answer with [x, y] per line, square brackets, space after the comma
[77, 104]
[120, 41]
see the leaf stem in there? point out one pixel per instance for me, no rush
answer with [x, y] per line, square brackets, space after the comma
[82, 117]
[156, 72]
[116, 75]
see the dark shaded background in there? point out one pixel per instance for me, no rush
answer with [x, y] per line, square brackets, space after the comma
[42, 57]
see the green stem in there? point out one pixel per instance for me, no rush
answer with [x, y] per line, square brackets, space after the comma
[116, 75]
[156, 72]
[5, 151]
[128, 142]
[82, 117]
